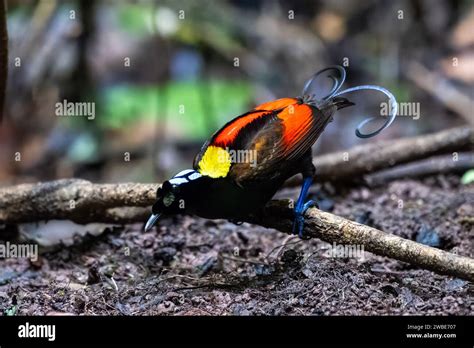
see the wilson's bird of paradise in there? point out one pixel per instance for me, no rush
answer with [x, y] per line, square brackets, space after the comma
[278, 136]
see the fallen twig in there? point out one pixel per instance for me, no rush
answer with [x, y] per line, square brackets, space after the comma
[335, 229]
[369, 158]
[76, 200]
[52, 200]
[434, 165]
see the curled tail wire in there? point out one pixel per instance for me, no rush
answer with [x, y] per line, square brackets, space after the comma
[393, 109]
[337, 84]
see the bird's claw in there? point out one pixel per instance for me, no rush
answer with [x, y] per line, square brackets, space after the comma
[298, 224]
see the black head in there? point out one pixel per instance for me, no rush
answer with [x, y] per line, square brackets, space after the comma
[169, 196]
[341, 102]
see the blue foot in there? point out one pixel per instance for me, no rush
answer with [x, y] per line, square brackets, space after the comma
[298, 224]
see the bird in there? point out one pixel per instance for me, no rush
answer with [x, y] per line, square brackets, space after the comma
[244, 163]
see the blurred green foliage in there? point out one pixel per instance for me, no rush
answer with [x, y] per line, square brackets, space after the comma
[131, 18]
[181, 102]
[468, 177]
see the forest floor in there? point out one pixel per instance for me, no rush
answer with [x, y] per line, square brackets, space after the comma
[192, 266]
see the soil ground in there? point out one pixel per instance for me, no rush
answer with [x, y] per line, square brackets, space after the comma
[192, 266]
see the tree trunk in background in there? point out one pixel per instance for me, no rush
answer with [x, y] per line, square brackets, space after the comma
[3, 55]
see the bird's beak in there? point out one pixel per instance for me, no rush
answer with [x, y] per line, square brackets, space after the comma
[151, 221]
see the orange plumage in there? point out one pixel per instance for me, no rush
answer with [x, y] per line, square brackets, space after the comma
[279, 131]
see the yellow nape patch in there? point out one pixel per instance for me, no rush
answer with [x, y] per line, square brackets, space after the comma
[215, 162]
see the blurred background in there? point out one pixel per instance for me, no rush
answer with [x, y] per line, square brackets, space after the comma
[164, 75]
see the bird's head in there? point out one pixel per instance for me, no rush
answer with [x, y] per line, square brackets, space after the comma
[170, 197]
[341, 103]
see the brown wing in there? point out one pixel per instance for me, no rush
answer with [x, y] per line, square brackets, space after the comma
[286, 138]
[235, 136]
[262, 140]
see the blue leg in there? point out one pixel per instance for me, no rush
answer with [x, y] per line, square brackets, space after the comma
[301, 207]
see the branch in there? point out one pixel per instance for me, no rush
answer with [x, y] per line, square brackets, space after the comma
[442, 164]
[335, 229]
[73, 199]
[364, 159]
[108, 203]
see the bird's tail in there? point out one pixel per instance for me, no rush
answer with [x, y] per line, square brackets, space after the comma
[334, 98]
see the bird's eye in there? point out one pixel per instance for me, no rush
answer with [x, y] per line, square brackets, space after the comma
[175, 189]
